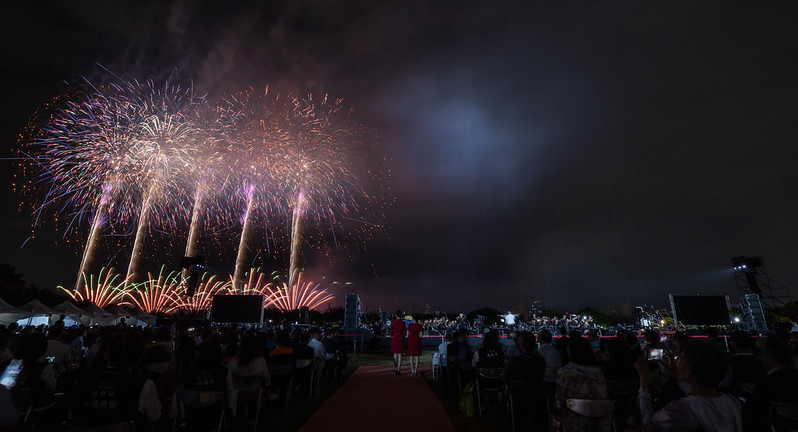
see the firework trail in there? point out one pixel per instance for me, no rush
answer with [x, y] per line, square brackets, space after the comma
[91, 243]
[103, 290]
[241, 258]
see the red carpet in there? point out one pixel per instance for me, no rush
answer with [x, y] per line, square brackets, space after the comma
[374, 399]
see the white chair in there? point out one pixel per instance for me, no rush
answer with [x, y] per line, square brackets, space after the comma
[592, 408]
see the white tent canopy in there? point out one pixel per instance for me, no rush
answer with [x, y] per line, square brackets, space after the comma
[10, 314]
[72, 314]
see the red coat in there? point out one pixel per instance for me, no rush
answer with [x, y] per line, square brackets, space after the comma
[414, 339]
[398, 336]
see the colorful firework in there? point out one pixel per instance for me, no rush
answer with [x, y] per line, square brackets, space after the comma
[137, 157]
[202, 300]
[157, 295]
[104, 290]
[288, 298]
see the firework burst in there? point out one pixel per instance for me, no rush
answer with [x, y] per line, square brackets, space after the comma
[103, 290]
[288, 298]
[157, 295]
[202, 300]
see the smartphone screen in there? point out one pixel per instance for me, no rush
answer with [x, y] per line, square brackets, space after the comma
[655, 354]
[9, 377]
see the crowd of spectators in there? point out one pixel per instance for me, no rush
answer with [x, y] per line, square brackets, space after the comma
[122, 374]
[657, 382]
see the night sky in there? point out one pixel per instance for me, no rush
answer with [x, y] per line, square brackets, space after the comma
[579, 153]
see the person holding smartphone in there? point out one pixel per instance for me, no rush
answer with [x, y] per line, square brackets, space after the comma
[702, 366]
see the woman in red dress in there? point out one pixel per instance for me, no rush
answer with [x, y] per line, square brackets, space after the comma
[398, 341]
[414, 331]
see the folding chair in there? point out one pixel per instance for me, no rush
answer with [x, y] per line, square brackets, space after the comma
[624, 394]
[250, 388]
[197, 400]
[489, 381]
[592, 408]
[304, 370]
[282, 377]
[527, 393]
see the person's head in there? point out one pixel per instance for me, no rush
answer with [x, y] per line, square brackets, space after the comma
[526, 342]
[31, 347]
[56, 330]
[702, 363]
[775, 353]
[449, 337]
[491, 339]
[125, 349]
[283, 339]
[210, 354]
[617, 350]
[315, 333]
[398, 314]
[650, 336]
[741, 341]
[163, 334]
[304, 338]
[580, 351]
[545, 336]
[563, 331]
[712, 333]
[248, 350]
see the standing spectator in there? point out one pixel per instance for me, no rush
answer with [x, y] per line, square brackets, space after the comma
[414, 330]
[702, 365]
[37, 375]
[319, 354]
[581, 378]
[57, 350]
[398, 331]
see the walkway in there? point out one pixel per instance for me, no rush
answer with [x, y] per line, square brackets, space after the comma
[374, 399]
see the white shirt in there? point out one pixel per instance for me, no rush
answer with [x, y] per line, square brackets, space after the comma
[318, 349]
[552, 356]
[692, 413]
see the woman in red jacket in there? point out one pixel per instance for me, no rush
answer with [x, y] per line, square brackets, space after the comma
[414, 331]
[398, 331]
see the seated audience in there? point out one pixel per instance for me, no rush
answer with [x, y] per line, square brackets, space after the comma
[551, 355]
[116, 394]
[581, 378]
[491, 354]
[249, 362]
[779, 384]
[701, 365]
